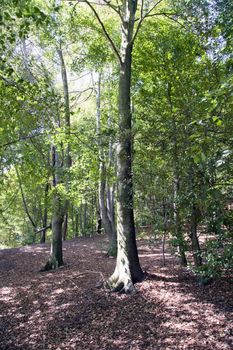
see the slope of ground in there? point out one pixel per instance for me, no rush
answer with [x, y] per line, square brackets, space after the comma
[63, 309]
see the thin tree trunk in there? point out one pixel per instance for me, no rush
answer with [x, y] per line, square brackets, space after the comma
[165, 228]
[108, 226]
[76, 224]
[68, 160]
[163, 248]
[65, 226]
[81, 219]
[176, 185]
[45, 216]
[178, 226]
[85, 219]
[72, 221]
[110, 194]
[24, 201]
[92, 215]
[99, 222]
[112, 251]
[194, 237]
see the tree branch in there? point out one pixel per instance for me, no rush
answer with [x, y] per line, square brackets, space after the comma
[173, 19]
[114, 8]
[104, 29]
[7, 81]
[24, 200]
[23, 138]
[143, 17]
[10, 202]
[43, 229]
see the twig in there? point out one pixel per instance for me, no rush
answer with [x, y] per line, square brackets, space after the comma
[143, 17]
[86, 273]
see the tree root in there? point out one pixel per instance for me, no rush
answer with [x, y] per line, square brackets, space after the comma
[52, 264]
[121, 285]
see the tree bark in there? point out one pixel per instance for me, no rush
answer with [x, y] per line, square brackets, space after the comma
[108, 224]
[106, 213]
[110, 193]
[194, 237]
[65, 226]
[68, 160]
[176, 184]
[85, 219]
[56, 258]
[76, 224]
[81, 219]
[165, 229]
[178, 227]
[128, 269]
[45, 216]
[99, 222]
[56, 255]
[112, 250]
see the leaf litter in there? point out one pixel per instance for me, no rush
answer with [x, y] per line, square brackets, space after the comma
[64, 309]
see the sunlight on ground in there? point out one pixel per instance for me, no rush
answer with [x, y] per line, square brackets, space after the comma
[62, 309]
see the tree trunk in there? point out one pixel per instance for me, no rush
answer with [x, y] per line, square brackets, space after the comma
[92, 215]
[65, 226]
[56, 258]
[76, 224]
[68, 160]
[73, 220]
[99, 222]
[176, 184]
[45, 216]
[107, 224]
[105, 215]
[194, 238]
[85, 219]
[112, 250]
[178, 227]
[81, 219]
[128, 269]
[110, 194]
[165, 229]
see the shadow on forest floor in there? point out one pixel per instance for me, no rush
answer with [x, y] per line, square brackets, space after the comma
[62, 309]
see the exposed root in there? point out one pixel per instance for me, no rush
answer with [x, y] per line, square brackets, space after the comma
[121, 285]
[52, 264]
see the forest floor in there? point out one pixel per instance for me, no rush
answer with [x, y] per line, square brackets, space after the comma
[63, 309]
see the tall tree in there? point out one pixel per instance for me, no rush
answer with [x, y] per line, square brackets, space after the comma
[105, 194]
[67, 160]
[128, 269]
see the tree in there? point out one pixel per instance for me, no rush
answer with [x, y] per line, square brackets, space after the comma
[128, 269]
[67, 160]
[106, 202]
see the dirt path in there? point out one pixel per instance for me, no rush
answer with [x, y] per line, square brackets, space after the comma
[64, 310]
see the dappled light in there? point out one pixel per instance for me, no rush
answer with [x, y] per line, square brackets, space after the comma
[116, 163]
[62, 309]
